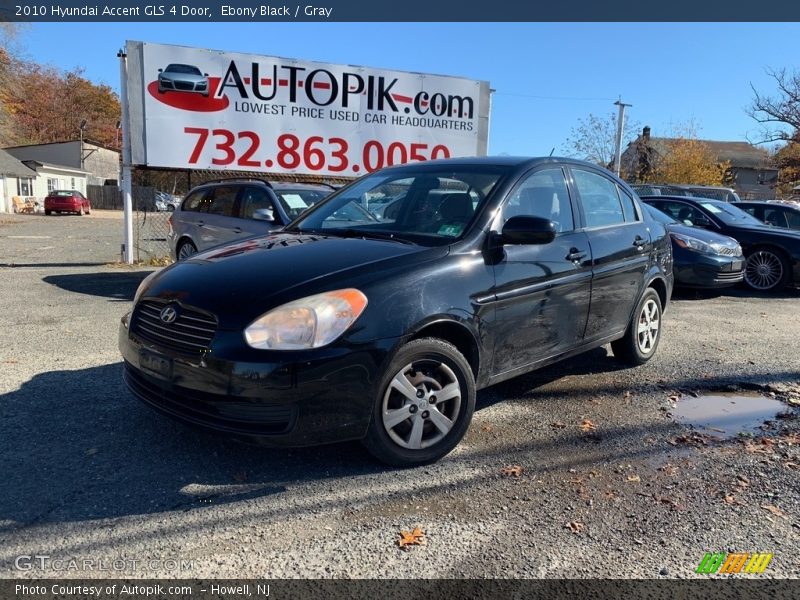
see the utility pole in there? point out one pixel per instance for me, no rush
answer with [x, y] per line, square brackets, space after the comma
[620, 124]
[126, 173]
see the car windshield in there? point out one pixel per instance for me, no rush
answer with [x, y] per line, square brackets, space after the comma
[660, 216]
[417, 204]
[188, 69]
[730, 215]
[296, 202]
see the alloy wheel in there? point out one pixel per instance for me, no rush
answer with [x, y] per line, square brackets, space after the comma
[421, 404]
[649, 323]
[763, 271]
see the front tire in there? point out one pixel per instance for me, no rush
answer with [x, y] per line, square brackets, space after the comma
[423, 404]
[640, 341]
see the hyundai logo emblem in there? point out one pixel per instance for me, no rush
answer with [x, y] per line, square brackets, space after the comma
[168, 314]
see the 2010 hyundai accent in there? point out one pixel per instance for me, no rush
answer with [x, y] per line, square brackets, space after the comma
[349, 325]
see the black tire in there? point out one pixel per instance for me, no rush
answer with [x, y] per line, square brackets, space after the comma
[632, 348]
[185, 250]
[48, 212]
[766, 269]
[436, 366]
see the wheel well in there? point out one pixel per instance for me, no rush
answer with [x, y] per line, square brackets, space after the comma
[661, 289]
[456, 334]
[776, 249]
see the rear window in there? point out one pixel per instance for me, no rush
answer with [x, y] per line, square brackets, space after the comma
[62, 193]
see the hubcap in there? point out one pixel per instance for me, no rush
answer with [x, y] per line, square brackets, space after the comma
[421, 404]
[649, 322]
[763, 270]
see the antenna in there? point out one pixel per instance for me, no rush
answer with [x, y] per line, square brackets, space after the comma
[551, 151]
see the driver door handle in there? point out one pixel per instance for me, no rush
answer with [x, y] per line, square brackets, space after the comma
[576, 255]
[639, 242]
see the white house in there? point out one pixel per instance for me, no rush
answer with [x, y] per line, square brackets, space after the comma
[101, 162]
[32, 179]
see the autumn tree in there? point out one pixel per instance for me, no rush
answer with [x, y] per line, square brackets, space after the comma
[680, 158]
[40, 104]
[778, 114]
[594, 138]
[787, 160]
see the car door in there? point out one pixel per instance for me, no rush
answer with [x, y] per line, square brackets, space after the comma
[222, 224]
[253, 199]
[542, 291]
[620, 245]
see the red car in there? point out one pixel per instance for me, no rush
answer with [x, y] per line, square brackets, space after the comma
[67, 201]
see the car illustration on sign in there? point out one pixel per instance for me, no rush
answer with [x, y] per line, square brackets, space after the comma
[182, 78]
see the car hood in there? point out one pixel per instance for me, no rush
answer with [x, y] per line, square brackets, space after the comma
[240, 282]
[709, 237]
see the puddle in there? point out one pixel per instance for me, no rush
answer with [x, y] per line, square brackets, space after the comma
[725, 415]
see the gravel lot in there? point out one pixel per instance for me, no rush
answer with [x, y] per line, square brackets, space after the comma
[89, 473]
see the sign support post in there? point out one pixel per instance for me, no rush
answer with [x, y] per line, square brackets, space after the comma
[125, 176]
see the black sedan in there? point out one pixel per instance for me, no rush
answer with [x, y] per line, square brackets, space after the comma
[772, 255]
[701, 258]
[383, 330]
[786, 216]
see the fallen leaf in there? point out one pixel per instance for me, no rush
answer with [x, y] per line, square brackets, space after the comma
[512, 471]
[587, 426]
[412, 538]
[729, 499]
[486, 428]
[10, 362]
[675, 397]
[575, 526]
[791, 465]
[669, 469]
[775, 511]
[634, 478]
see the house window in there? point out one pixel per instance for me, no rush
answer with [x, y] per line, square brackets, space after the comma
[24, 186]
[52, 185]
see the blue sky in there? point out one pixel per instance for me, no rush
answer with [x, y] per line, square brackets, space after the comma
[547, 76]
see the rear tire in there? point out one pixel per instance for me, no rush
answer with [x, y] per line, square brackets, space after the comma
[48, 212]
[640, 341]
[423, 404]
[186, 249]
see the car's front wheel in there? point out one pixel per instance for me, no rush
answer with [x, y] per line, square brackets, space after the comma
[423, 405]
[640, 341]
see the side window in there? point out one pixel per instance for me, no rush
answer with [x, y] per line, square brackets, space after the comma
[628, 206]
[600, 200]
[751, 210]
[254, 199]
[543, 194]
[194, 201]
[684, 213]
[793, 218]
[222, 200]
[775, 217]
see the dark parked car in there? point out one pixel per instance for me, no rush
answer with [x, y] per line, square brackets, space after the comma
[772, 255]
[227, 210]
[182, 78]
[353, 328]
[658, 189]
[712, 192]
[776, 214]
[71, 201]
[701, 258]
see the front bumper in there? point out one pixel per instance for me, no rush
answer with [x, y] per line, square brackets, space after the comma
[703, 271]
[301, 398]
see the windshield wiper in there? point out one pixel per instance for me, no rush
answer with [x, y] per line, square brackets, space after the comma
[349, 232]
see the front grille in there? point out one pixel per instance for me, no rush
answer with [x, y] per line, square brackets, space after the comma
[184, 85]
[252, 416]
[190, 333]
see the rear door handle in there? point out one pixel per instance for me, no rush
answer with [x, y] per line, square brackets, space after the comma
[639, 242]
[576, 255]
[237, 230]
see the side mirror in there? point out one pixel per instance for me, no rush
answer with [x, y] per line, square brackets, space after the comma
[161, 70]
[264, 214]
[523, 229]
[205, 74]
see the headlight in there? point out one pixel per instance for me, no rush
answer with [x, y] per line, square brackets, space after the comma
[690, 243]
[310, 322]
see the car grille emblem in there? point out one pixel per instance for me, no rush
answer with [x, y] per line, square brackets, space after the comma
[168, 314]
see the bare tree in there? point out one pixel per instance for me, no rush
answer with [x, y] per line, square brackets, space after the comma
[779, 115]
[594, 138]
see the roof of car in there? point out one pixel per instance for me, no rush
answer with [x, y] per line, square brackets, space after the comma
[682, 198]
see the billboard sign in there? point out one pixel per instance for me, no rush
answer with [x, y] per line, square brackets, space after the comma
[202, 109]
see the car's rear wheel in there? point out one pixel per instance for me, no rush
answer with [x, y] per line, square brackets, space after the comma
[640, 341]
[766, 270]
[423, 404]
[186, 249]
[48, 212]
